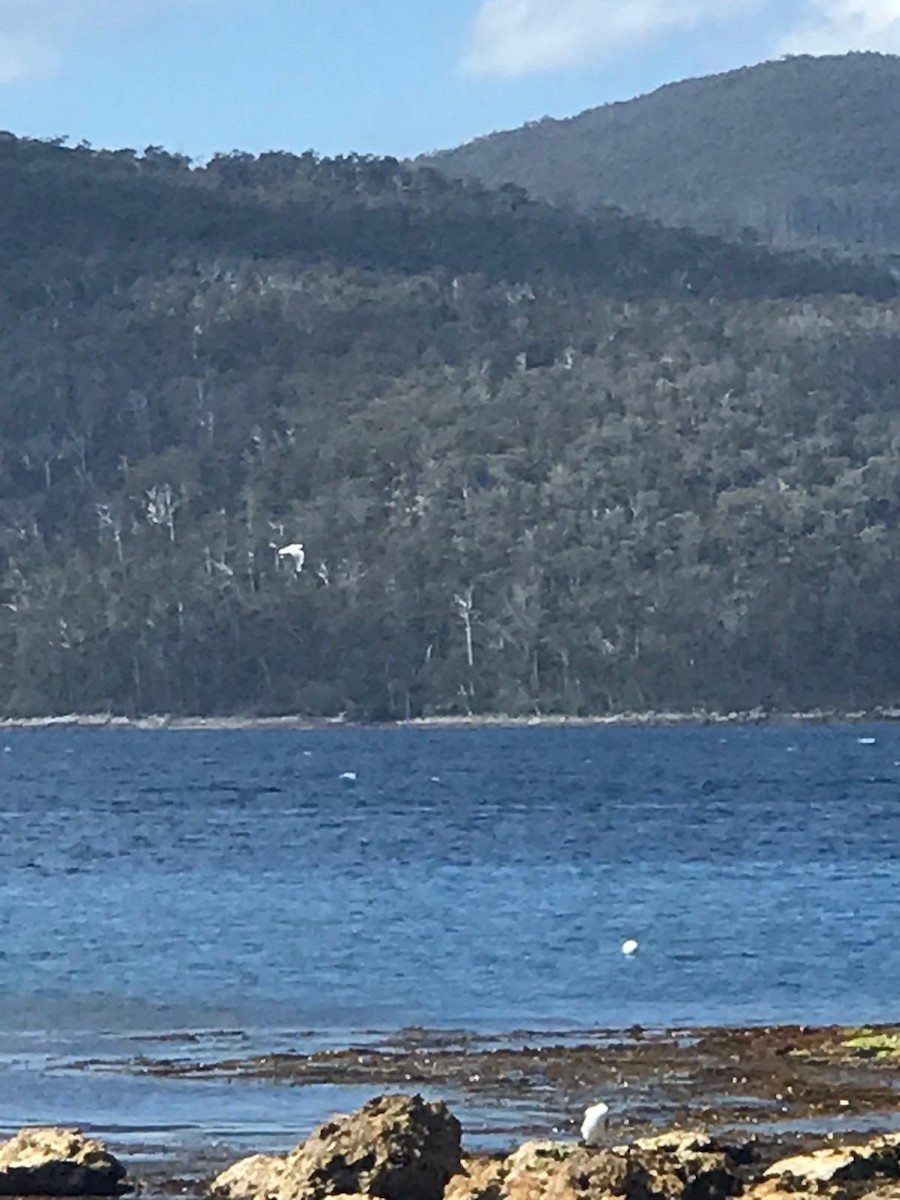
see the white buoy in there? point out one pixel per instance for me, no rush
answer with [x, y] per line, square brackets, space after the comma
[630, 946]
[595, 1123]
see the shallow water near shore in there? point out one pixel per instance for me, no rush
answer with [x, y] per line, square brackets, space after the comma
[294, 888]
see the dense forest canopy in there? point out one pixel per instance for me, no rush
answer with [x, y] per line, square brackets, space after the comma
[537, 461]
[802, 151]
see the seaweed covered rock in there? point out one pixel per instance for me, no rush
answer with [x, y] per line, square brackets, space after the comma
[53, 1161]
[394, 1147]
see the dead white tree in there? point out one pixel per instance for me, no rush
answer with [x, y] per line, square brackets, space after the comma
[161, 507]
[465, 608]
[113, 525]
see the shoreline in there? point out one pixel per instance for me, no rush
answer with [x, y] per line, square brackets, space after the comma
[782, 1089]
[660, 719]
[786, 1078]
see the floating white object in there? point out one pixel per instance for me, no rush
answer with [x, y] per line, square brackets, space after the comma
[630, 946]
[866, 741]
[349, 776]
[595, 1123]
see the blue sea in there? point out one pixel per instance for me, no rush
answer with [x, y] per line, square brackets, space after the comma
[271, 889]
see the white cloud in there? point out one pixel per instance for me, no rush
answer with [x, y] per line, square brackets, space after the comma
[835, 26]
[36, 34]
[516, 37]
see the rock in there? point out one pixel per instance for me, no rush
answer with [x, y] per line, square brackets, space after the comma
[691, 1164]
[58, 1162]
[678, 1142]
[887, 1191]
[810, 1171]
[395, 1147]
[479, 1179]
[821, 1169]
[672, 1166]
[537, 1156]
[537, 1169]
[259, 1175]
[581, 1175]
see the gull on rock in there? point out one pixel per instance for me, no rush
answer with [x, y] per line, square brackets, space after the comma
[630, 946]
[595, 1123]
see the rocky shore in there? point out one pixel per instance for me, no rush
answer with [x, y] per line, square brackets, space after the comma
[695, 1114]
[533, 1083]
[403, 1147]
[700, 716]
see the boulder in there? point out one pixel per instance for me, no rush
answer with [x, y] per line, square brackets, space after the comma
[886, 1191]
[539, 1156]
[580, 1175]
[479, 1179]
[259, 1175]
[395, 1147]
[690, 1164]
[683, 1143]
[58, 1162]
[672, 1166]
[820, 1170]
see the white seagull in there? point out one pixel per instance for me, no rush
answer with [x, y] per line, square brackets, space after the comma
[595, 1123]
[296, 552]
[630, 946]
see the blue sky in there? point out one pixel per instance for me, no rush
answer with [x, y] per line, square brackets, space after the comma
[379, 76]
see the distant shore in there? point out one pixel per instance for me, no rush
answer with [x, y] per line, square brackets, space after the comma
[163, 721]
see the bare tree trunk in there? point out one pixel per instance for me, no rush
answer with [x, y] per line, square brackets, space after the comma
[464, 610]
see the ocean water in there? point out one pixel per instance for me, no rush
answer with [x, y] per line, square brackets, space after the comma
[303, 887]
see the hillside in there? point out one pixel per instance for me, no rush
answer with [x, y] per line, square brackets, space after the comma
[537, 461]
[802, 151]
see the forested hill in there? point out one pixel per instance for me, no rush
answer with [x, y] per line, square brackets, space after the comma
[802, 151]
[537, 461]
[124, 213]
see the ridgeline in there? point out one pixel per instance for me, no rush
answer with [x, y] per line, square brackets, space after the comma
[797, 153]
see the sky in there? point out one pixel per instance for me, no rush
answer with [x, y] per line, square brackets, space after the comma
[395, 77]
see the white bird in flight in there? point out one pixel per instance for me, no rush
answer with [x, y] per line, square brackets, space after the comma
[296, 552]
[595, 1123]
